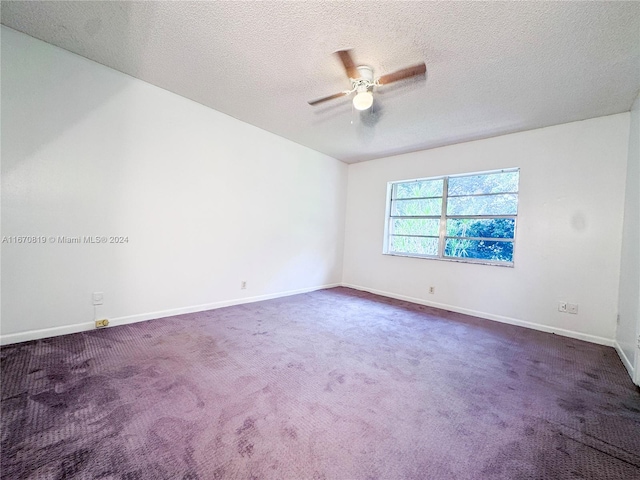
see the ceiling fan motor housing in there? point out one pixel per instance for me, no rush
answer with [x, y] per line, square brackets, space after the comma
[366, 72]
[365, 81]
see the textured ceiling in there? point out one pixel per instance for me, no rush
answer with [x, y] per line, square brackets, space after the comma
[493, 68]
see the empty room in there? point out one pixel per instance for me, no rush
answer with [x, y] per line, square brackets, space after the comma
[320, 240]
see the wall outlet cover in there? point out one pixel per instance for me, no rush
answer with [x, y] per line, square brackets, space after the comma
[98, 298]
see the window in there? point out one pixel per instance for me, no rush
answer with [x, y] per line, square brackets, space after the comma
[469, 218]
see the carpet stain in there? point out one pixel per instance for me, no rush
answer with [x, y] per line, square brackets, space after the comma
[249, 425]
[245, 447]
[573, 405]
[290, 433]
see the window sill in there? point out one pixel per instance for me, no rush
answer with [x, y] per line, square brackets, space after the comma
[456, 260]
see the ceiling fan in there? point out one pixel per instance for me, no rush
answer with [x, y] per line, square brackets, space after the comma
[363, 81]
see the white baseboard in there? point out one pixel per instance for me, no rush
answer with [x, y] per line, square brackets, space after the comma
[489, 316]
[45, 333]
[81, 327]
[628, 364]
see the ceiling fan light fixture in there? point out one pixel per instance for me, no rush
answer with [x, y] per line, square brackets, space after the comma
[363, 100]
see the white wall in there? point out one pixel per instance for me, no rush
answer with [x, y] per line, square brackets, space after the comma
[568, 234]
[629, 304]
[206, 200]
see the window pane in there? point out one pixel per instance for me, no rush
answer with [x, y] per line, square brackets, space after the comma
[485, 227]
[417, 245]
[418, 226]
[433, 206]
[486, 183]
[506, 204]
[425, 188]
[479, 249]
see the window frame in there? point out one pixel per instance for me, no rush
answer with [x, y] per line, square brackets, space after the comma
[443, 217]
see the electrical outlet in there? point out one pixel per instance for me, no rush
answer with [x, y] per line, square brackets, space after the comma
[432, 289]
[618, 319]
[102, 323]
[572, 308]
[98, 298]
[562, 307]
[243, 285]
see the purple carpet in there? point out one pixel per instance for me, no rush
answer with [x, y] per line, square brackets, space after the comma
[334, 384]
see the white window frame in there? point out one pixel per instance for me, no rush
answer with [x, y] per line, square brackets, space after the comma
[442, 234]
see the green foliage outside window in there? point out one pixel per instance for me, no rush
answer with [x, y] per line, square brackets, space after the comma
[480, 219]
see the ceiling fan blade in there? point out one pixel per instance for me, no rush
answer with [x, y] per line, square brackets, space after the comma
[347, 61]
[325, 99]
[408, 72]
